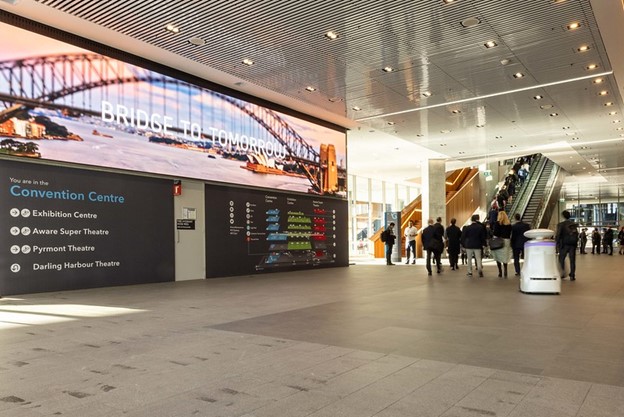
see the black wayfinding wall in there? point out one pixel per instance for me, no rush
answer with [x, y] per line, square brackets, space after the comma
[65, 229]
[251, 231]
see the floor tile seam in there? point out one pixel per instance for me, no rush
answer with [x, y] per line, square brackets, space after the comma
[584, 400]
[374, 382]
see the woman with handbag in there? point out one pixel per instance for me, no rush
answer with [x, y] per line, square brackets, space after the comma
[500, 244]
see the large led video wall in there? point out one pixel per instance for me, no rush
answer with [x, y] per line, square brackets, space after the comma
[63, 103]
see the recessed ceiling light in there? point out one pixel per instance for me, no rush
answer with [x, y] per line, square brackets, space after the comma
[554, 114]
[573, 26]
[611, 113]
[498, 137]
[480, 126]
[387, 69]
[172, 28]
[565, 127]
[331, 35]
[420, 135]
[391, 123]
[538, 97]
[583, 48]
[620, 128]
[310, 88]
[356, 108]
[513, 146]
[603, 93]
[558, 1]
[505, 61]
[427, 94]
[334, 99]
[591, 66]
[448, 1]
[575, 138]
[616, 121]
[456, 111]
[443, 144]
[598, 81]
[445, 131]
[583, 147]
[470, 22]
[196, 41]
[578, 163]
[546, 106]
[461, 152]
[491, 44]
[248, 62]
[608, 103]
[518, 75]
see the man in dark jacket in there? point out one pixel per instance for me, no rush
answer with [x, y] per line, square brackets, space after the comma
[567, 240]
[608, 241]
[518, 240]
[390, 238]
[473, 240]
[583, 241]
[453, 240]
[433, 242]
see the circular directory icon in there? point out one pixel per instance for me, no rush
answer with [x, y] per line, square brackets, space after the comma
[15, 268]
[14, 212]
[25, 231]
[231, 203]
[25, 213]
[15, 249]
[15, 230]
[25, 249]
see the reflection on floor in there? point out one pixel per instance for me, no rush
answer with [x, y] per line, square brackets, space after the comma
[368, 340]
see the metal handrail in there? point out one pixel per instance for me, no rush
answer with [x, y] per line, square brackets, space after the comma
[522, 199]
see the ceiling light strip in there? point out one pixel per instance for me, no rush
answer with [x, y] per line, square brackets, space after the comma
[502, 93]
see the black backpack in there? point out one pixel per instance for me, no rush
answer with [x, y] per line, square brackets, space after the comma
[384, 236]
[571, 234]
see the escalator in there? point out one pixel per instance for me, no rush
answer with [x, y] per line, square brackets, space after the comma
[538, 197]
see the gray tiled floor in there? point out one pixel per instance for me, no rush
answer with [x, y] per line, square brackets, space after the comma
[367, 340]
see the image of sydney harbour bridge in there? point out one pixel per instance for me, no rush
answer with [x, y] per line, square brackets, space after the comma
[73, 86]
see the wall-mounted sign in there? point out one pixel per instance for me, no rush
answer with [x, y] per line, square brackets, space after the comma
[68, 229]
[185, 224]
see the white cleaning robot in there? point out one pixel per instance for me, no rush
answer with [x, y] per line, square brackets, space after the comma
[540, 273]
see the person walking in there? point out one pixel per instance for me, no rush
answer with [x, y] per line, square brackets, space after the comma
[517, 241]
[604, 240]
[621, 239]
[410, 234]
[566, 239]
[473, 240]
[608, 241]
[596, 238]
[453, 241]
[389, 240]
[502, 230]
[583, 241]
[433, 243]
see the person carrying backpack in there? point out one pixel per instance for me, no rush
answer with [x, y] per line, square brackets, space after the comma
[388, 237]
[566, 239]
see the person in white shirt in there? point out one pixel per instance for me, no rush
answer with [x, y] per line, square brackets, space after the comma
[410, 240]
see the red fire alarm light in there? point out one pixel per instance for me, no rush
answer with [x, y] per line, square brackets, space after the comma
[177, 187]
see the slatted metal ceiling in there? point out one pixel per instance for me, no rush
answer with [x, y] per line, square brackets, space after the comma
[423, 40]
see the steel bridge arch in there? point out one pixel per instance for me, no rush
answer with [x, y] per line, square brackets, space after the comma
[36, 69]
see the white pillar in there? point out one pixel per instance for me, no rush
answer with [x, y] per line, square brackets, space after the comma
[434, 190]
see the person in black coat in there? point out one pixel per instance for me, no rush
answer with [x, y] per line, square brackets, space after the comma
[583, 241]
[433, 242]
[518, 240]
[607, 241]
[453, 240]
[566, 245]
[596, 238]
[473, 239]
[390, 239]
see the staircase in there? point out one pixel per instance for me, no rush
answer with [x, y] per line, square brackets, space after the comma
[530, 215]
